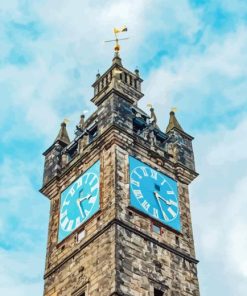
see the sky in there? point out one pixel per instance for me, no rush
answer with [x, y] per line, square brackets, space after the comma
[191, 54]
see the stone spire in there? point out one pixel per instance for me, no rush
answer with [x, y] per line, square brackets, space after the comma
[63, 134]
[173, 123]
[116, 59]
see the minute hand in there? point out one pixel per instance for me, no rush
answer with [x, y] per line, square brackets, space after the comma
[159, 196]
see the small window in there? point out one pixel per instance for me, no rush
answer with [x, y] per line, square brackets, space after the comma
[80, 235]
[158, 292]
[93, 134]
[72, 152]
[131, 80]
[156, 228]
[121, 76]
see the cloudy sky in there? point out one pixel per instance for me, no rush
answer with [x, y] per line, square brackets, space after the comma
[191, 54]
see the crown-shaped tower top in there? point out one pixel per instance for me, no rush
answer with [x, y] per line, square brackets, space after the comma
[119, 80]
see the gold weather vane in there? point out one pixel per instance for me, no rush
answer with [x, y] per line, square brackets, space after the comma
[174, 109]
[116, 31]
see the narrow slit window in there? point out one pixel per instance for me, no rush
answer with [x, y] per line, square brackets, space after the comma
[135, 82]
[93, 134]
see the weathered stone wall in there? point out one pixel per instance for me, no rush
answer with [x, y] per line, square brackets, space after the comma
[58, 253]
[143, 265]
[91, 269]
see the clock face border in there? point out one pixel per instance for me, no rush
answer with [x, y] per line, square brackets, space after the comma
[94, 170]
[136, 202]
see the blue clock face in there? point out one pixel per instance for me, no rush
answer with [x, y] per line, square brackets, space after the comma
[79, 202]
[154, 194]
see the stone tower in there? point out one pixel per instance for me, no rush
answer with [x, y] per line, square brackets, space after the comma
[120, 220]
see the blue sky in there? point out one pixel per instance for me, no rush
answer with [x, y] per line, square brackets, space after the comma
[191, 54]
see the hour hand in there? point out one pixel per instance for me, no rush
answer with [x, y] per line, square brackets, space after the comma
[83, 198]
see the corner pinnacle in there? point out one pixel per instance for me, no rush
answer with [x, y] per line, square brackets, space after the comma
[173, 123]
[63, 134]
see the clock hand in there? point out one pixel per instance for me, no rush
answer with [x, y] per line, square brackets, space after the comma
[156, 194]
[171, 202]
[79, 201]
[159, 196]
[83, 198]
[80, 208]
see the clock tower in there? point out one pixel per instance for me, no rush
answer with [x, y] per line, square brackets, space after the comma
[120, 221]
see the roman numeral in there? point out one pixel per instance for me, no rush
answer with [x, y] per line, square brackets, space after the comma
[87, 212]
[170, 192]
[63, 214]
[134, 182]
[154, 174]
[64, 223]
[96, 186]
[70, 225]
[155, 213]
[86, 176]
[144, 171]
[79, 182]
[139, 176]
[66, 202]
[145, 205]
[92, 180]
[163, 182]
[138, 194]
[78, 221]
[72, 191]
[170, 210]
[165, 216]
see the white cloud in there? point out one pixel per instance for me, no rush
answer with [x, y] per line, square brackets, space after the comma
[22, 235]
[219, 207]
[203, 83]
[19, 274]
[231, 146]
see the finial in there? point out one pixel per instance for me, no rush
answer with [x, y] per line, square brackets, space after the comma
[116, 31]
[137, 72]
[97, 75]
